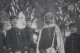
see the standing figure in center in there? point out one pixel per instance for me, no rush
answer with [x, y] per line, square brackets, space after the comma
[50, 38]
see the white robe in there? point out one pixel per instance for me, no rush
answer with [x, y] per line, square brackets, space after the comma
[60, 44]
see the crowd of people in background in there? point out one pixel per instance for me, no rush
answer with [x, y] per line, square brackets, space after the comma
[48, 40]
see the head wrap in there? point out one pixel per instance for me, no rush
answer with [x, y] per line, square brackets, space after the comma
[49, 14]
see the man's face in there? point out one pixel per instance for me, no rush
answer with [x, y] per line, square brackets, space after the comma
[28, 24]
[73, 29]
[14, 22]
[48, 20]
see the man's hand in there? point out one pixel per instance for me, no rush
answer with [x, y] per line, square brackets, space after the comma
[25, 52]
[11, 52]
[9, 49]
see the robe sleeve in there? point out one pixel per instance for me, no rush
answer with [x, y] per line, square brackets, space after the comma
[37, 48]
[60, 44]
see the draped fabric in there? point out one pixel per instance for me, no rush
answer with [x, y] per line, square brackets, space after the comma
[46, 38]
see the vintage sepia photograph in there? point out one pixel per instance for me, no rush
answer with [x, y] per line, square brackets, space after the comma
[39, 26]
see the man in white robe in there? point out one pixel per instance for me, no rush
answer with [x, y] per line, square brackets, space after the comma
[45, 42]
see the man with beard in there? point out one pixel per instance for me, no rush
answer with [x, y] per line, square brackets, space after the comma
[50, 38]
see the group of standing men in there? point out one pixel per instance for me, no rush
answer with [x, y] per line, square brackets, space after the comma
[49, 40]
[16, 40]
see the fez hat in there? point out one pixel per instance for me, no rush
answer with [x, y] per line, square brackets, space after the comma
[13, 17]
[50, 14]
